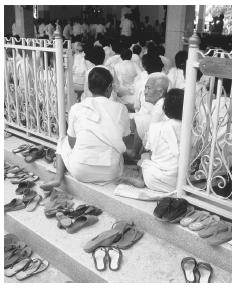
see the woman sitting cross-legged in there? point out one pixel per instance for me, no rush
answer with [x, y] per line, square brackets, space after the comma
[92, 150]
[158, 169]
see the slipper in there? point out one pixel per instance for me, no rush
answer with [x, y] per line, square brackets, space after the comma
[33, 203]
[18, 255]
[114, 258]
[129, 238]
[11, 271]
[60, 205]
[35, 153]
[63, 221]
[199, 225]
[13, 246]
[24, 185]
[20, 148]
[17, 174]
[49, 155]
[190, 270]
[26, 151]
[220, 237]
[29, 269]
[15, 169]
[85, 210]
[20, 179]
[202, 268]
[81, 222]
[210, 230]
[190, 210]
[10, 239]
[106, 238]
[28, 194]
[31, 178]
[196, 216]
[100, 258]
[14, 205]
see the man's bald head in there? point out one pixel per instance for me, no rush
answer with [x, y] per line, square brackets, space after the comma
[156, 87]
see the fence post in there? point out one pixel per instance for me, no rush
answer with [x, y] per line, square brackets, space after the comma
[188, 112]
[60, 83]
[71, 96]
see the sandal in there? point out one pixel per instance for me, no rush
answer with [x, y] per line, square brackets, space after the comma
[190, 270]
[80, 222]
[16, 256]
[129, 238]
[29, 269]
[220, 237]
[49, 155]
[196, 216]
[100, 258]
[201, 268]
[20, 148]
[210, 229]
[199, 225]
[33, 203]
[35, 153]
[63, 220]
[23, 185]
[14, 205]
[11, 271]
[29, 194]
[114, 258]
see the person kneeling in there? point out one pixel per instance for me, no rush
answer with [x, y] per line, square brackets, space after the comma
[92, 150]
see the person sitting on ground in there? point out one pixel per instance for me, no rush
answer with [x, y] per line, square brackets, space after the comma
[137, 49]
[112, 60]
[176, 74]
[158, 169]
[151, 112]
[124, 74]
[92, 150]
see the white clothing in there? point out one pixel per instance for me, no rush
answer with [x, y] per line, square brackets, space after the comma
[126, 27]
[112, 61]
[79, 70]
[85, 28]
[108, 52]
[67, 31]
[49, 30]
[99, 125]
[160, 170]
[125, 10]
[124, 75]
[139, 83]
[176, 77]
[100, 29]
[167, 63]
[136, 59]
[14, 29]
[77, 29]
[41, 30]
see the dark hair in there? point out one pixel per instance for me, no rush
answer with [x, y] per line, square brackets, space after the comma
[137, 49]
[181, 59]
[151, 64]
[99, 79]
[126, 54]
[96, 55]
[161, 50]
[173, 103]
[116, 47]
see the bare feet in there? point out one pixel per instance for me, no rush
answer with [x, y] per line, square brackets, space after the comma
[51, 184]
[137, 182]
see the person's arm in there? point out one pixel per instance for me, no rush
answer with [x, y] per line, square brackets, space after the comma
[71, 141]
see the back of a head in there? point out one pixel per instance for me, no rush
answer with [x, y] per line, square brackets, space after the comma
[137, 49]
[116, 47]
[160, 79]
[96, 55]
[152, 64]
[173, 104]
[126, 54]
[180, 59]
[99, 79]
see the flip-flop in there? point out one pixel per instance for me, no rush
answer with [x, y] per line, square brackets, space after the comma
[15, 204]
[31, 178]
[20, 179]
[199, 225]
[63, 220]
[106, 238]
[13, 246]
[28, 195]
[196, 216]
[219, 238]
[20, 148]
[26, 151]
[190, 270]
[29, 269]
[33, 203]
[15, 169]
[24, 185]
[17, 174]
[11, 271]
[81, 222]
[210, 230]
[35, 153]
[49, 155]
[202, 268]
[18, 255]
[114, 258]
[190, 210]
[100, 258]
[129, 238]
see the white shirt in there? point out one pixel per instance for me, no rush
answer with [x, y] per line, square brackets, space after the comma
[126, 27]
[100, 29]
[77, 29]
[42, 30]
[176, 77]
[67, 31]
[136, 59]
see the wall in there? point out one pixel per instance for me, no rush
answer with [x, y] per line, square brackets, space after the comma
[59, 11]
[9, 18]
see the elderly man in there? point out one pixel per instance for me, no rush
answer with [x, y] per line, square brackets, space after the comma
[151, 111]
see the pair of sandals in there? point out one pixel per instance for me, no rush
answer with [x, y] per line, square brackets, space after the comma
[171, 210]
[75, 220]
[18, 175]
[196, 272]
[103, 256]
[122, 235]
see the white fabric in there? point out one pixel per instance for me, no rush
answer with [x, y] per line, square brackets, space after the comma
[77, 29]
[99, 125]
[160, 170]
[112, 61]
[136, 59]
[176, 77]
[49, 30]
[100, 29]
[67, 31]
[126, 27]
[108, 52]
[79, 70]
[41, 30]
[139, 83]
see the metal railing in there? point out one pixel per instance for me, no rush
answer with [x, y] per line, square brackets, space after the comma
[38, 87]
[205, 163]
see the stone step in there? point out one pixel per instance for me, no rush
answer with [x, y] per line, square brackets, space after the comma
[128, 209]
[150, 260]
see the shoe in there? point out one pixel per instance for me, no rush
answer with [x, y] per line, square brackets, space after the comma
[190, 270]
[15, 204]
[220, 237]
[100, 258]
[196, 216]
[199, 225]
[114, 258]
[211, 229]
[81, 222]
[201, 266]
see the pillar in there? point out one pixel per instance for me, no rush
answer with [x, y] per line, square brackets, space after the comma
[24, 21]
[179, 24]
[201, 18]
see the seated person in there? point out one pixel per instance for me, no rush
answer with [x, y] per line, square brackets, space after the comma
[159, 168]
[92, 150]
[151, 111]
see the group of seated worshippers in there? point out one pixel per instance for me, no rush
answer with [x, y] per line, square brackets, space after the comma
[120, 96]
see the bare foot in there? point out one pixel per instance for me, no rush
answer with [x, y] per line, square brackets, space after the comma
[137, 182]
[51, 184]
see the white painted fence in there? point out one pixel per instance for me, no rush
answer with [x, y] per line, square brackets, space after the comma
[205, 164]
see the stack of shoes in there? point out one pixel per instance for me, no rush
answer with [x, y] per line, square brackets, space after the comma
[17, 261]
[18, 175]
[74, 220]
[106, 247]
[34, 153]
[58, 202]
[171, 210]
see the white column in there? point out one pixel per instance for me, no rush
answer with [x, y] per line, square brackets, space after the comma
[201, 18]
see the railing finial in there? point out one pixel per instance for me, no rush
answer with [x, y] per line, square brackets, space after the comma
[57, 33]
[194, 40]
